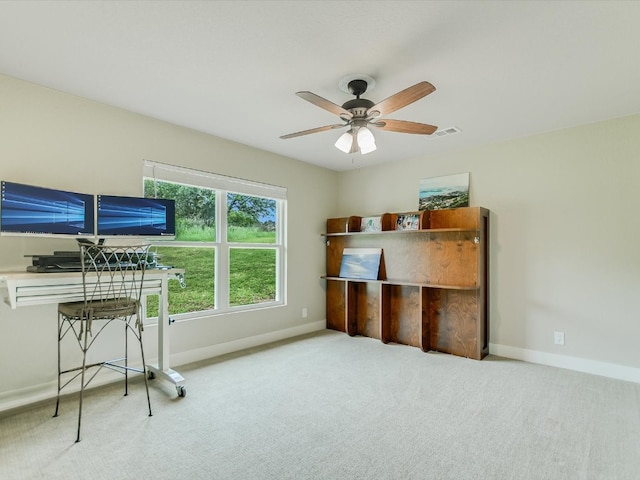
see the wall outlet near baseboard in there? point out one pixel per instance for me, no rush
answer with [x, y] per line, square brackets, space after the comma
[558, 338]
[304, 312]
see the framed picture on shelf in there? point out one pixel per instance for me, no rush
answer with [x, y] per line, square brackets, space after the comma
[362, 263]
[408, 221]
[371, 224]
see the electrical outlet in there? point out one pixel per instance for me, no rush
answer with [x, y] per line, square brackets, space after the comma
[304, 312]
[558, 338]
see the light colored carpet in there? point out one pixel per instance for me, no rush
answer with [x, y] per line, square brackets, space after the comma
[328, 406]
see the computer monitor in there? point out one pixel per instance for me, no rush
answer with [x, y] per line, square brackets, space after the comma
[136, 217]
[38, 211]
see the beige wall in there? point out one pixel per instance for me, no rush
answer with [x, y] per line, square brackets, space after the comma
[564, 238]
[60, 141]
[564, 229]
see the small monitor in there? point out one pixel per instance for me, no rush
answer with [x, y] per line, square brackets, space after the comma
[31, 210]
[136, 217]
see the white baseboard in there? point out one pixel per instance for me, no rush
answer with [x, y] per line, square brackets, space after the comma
[604, 369]
[47, 391]
[28, 395]
[243, 343]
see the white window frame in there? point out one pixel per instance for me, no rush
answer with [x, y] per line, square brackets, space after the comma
[222, 185]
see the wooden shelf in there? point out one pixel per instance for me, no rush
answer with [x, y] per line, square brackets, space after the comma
[432, 289]
[408, 283]
[401, 232]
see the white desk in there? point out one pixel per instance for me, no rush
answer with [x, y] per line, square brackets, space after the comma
[22, 289]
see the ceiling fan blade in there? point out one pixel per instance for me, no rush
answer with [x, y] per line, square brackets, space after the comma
[326, 104]
[401, 99]
[313, 130]
[403, 126]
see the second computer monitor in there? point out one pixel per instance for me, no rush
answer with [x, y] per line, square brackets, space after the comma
[135, 217]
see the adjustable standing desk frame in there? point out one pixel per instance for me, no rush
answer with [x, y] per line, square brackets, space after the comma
[23, 289]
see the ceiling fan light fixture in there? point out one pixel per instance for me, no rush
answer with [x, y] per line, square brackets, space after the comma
[354, 144]
[368, 149]
[366, 140]
[344, 142]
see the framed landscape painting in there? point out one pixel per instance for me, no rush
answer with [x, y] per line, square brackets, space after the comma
[451, 191]
[361, 263]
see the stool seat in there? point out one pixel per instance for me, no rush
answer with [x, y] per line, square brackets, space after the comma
[100, 309]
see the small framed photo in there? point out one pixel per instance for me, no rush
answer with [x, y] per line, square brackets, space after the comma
[408, 221]
[371, 224]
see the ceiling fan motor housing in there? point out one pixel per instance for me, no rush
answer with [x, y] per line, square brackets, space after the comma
[357, 86]
[358, 106]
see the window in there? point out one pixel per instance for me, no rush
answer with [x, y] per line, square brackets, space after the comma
[229, 239]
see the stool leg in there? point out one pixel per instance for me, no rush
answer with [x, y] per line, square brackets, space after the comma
[126, 356]
[144, 367]
[60, 322]
[84, 368]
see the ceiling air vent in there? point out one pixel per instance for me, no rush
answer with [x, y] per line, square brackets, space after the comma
[446, 131]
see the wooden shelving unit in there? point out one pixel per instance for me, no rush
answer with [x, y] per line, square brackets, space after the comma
[432, 292]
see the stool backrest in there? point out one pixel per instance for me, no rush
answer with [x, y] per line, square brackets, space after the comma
[113, 273]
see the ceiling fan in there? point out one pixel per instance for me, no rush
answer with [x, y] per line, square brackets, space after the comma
[359, 114]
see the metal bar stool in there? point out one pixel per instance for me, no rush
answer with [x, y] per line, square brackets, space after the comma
[112, 278]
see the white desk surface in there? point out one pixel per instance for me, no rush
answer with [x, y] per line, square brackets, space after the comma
[29, 288]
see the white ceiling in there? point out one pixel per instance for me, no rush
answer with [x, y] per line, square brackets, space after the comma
[502, 69]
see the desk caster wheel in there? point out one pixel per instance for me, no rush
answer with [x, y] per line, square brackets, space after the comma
[182, 390]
